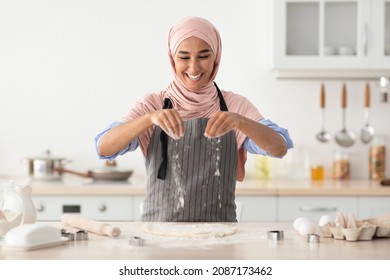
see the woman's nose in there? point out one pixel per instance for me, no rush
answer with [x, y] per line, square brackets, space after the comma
[194, 65]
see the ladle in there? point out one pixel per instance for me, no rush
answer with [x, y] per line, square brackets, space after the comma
[345, 138]
[323, 136]
[367, 133]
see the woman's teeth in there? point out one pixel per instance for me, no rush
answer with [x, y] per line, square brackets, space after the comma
[194, 78]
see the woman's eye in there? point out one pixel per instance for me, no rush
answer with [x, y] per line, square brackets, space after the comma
[204, 56]
[185, 58]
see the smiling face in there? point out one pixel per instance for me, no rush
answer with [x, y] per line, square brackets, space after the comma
[194, 63]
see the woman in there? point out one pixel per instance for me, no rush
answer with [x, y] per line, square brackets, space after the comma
[193, 135]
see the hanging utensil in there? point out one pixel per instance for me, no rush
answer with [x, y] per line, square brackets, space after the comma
[367, 132]
[345, 138]
[323, 136]
[384, 83]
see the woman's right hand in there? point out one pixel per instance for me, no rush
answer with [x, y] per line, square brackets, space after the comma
[170, 121]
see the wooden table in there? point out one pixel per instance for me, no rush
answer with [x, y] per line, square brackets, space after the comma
[250, 242]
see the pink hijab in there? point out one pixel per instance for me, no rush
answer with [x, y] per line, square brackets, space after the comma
[191, 104]
[194, 104]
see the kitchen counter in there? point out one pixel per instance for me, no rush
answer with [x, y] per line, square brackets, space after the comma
[271, 187]
[249, 242]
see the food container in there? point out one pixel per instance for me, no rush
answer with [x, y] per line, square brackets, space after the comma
[45, 166]
[377, 159]
[341, 166]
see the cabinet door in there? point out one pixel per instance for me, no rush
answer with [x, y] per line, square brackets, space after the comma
[381, 33]
[370, 207]
[313, 207]
[256, 208]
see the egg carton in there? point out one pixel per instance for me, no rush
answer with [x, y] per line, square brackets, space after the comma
[355, 230]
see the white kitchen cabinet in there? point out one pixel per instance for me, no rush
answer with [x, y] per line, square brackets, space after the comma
[257, 208]
[370, 207]
[328, 38]
[313, 207]
[104, 208]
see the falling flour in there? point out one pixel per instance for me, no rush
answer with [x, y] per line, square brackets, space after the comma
[179, 191]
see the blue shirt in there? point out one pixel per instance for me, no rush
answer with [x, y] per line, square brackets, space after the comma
[248, 144]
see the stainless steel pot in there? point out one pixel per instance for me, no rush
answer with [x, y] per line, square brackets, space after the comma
[45, 167]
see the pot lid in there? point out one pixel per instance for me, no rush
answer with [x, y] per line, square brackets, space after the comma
[46, 155]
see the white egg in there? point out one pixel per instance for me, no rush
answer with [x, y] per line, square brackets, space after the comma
[306, 227]
[298, 221]
[325, 219]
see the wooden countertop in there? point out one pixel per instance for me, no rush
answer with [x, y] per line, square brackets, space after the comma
[250, 242]
[250, 187]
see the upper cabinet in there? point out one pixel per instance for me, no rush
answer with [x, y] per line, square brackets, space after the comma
[329, 38]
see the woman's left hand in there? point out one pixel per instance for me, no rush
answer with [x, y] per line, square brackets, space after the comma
[220, 123]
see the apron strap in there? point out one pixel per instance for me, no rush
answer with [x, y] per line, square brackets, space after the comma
[222, 103]
[162, 171]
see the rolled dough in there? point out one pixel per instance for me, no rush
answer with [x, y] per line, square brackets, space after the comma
[190, 230]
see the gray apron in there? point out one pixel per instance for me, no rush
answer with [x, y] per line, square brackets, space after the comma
[199, 178]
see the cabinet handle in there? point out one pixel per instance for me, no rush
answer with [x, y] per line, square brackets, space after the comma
[102, 208]
[317, 209]
[40, 208]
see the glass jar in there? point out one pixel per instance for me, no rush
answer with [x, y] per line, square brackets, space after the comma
[341, 166]
[377, 159]
[262, 167]
[317, 172]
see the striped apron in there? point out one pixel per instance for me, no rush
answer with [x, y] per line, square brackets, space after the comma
[200, 177]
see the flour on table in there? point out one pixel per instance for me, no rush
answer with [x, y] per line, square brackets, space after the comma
[198, 230]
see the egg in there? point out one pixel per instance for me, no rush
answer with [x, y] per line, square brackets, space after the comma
[306, 227]
[325, 219]
[298, 221]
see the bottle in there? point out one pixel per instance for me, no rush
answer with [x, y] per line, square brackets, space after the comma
[377, 158]
[341, 166]
[11, 207]
[29, 211]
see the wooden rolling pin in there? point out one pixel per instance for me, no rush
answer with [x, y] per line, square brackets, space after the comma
[90, 225]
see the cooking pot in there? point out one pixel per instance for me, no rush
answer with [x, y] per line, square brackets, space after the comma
[44, 167]
[107, 173]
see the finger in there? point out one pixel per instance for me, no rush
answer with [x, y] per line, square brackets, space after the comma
[176, 124]
[216, 120]
[173, 124]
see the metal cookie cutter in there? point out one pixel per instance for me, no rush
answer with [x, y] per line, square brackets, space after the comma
[137, 241]
[81, 235]
[313, 238]
[275, 235]
[68, 235]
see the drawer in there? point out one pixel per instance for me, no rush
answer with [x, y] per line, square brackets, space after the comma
[370, 207]
[313, 207]
[256, 208]
[105, 208]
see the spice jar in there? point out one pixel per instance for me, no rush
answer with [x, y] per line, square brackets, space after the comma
[377, 159]
[341, 166]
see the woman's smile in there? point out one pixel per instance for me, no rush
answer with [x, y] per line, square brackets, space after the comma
[194, 77]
